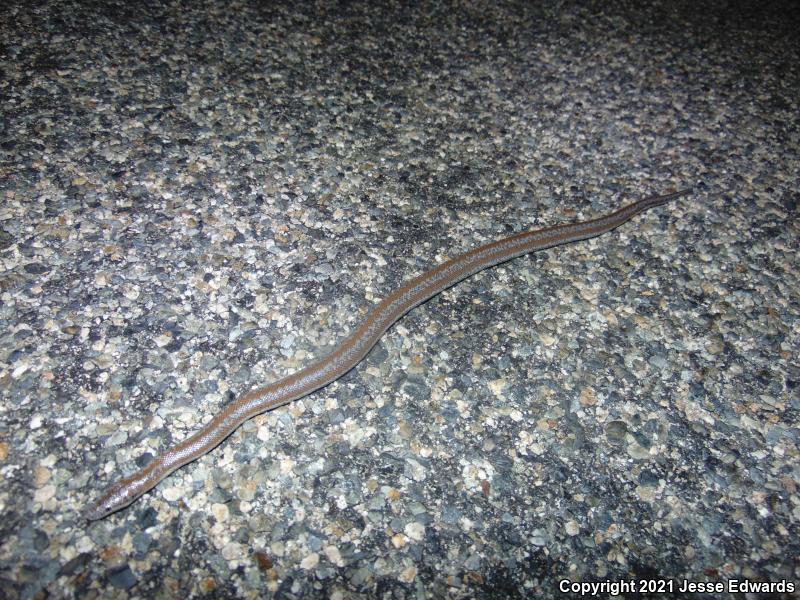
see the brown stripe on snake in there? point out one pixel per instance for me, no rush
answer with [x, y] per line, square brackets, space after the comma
[355, 347]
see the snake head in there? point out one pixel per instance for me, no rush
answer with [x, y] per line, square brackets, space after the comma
[116, 497]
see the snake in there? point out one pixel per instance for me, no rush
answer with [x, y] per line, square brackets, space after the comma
[355, 347]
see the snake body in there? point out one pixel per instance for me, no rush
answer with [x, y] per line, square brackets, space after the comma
[355, 347]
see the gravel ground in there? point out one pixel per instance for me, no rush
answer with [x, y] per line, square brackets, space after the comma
[199, 197]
